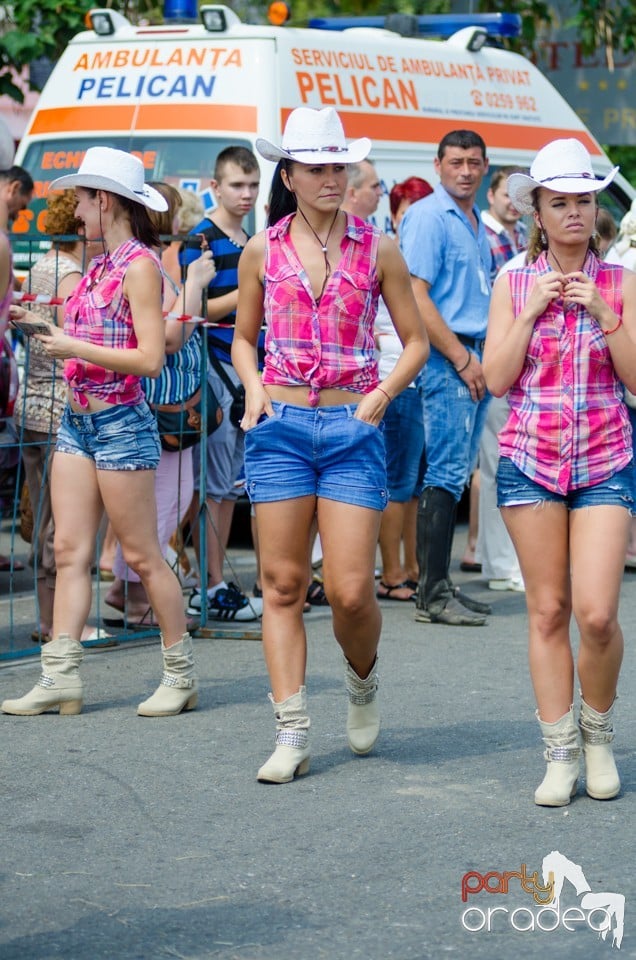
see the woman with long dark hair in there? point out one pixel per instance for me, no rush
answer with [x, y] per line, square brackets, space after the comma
[313, 441]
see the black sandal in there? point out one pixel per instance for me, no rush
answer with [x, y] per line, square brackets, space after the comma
[316, 595]
[386, 591]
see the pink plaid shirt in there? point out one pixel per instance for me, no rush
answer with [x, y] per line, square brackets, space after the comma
[98, 312]
[330, 343]
[568, 425]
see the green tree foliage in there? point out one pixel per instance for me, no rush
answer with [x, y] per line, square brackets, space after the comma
[625, 157]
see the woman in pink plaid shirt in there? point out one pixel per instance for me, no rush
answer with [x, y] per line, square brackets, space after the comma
[313, 441]
[562, 341]
[107, 447]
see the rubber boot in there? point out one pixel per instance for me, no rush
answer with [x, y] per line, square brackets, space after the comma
[597, 730]
[363, 715]
[177, 690]
[60, 684]
[436, 601]
[563, 754]
[291, 756]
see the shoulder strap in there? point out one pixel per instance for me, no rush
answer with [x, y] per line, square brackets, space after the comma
[218, 366]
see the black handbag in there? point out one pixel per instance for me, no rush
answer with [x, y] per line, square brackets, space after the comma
[237, 409]
[181, 424]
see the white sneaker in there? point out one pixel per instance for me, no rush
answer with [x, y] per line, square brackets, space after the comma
[515, 584]
[228, 603]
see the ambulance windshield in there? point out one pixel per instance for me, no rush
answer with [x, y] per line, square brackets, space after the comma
[182, 161]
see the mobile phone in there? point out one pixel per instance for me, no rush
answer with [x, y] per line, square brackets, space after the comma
[29, 327]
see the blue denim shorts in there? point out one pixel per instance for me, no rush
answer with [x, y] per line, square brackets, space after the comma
[322, 452]
[120, 438]
[514, 489]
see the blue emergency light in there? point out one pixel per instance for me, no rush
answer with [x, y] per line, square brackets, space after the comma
[428, 25]
[181, 11]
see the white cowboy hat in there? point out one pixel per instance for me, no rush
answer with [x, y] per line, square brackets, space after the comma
[314, 136]
[115, 171]
[563, 166]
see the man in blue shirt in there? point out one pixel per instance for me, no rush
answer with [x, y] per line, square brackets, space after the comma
[446, 248]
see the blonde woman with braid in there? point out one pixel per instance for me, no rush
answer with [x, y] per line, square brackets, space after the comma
[562, 341]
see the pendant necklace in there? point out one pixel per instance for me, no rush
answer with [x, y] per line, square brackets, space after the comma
[555, 258]
[323, 247]
[566, 306]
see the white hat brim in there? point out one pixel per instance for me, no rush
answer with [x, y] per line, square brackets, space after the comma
[521, 187]
[149, 197]
[355, 152]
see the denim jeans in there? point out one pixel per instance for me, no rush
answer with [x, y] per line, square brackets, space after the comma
[453, 423]
[404, 442]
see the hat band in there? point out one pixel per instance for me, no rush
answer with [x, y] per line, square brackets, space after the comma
[569, 176]
[316, 149]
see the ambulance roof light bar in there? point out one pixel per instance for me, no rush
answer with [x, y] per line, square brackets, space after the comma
[181, 11]
[216, 18]
[105, 22]
[428, 25]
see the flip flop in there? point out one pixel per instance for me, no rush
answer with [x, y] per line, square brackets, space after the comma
[469, 566]
[387, 595]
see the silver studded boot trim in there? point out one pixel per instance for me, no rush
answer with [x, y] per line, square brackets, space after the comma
[292, 738]
[562, 754]
[169, 680]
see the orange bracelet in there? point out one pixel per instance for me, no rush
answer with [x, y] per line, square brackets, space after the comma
[607, 333]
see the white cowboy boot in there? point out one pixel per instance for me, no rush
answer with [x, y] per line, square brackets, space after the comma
[363, 715]
[177, 690]
[601, 776]
[291, 756]
[60, 684]
[563, 754]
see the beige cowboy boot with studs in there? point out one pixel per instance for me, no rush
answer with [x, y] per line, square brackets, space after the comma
[291, 756]
[60, 684]
[563, 753]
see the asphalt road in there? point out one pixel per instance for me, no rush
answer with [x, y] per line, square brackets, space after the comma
[126, 838]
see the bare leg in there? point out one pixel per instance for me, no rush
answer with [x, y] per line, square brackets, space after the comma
[129, 499]
[349, 536]
[284, 535]
[254, 529]
[77, 508]
[109, 545]
[473, 520]
[540, 534]
[391, 529]
[46, 599]
[598, 541]
[409, 538]
[128, 596]
[218, 524]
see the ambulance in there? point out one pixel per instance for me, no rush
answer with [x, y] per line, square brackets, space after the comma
[178, 93]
